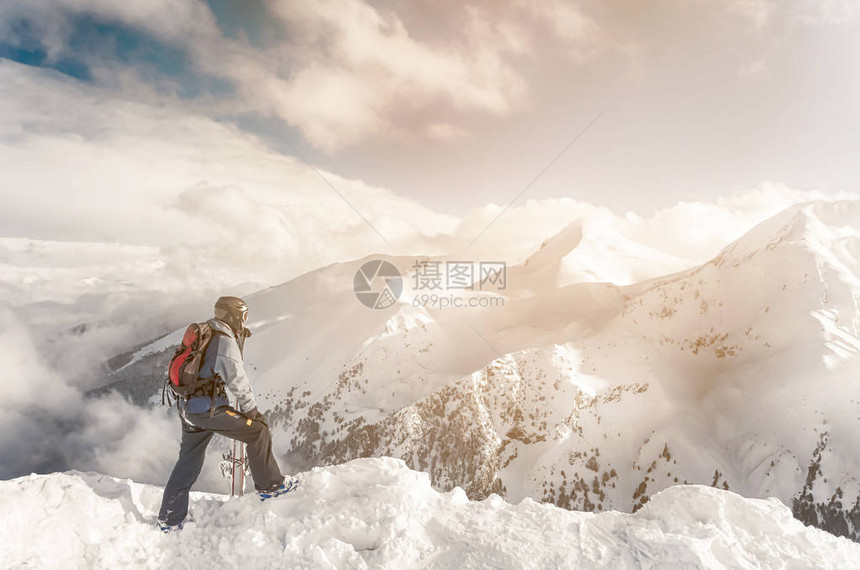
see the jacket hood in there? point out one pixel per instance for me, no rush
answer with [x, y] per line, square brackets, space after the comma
[221, 326]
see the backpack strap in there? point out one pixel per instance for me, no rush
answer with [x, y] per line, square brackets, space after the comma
[164, 394]
[215, 379]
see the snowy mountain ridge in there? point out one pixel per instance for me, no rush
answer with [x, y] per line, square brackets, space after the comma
[376, 513]
[589, 395]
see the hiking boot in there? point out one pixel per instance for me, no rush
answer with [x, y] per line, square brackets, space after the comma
[279, 490]
[168, 528]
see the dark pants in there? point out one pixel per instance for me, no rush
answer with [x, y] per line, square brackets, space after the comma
[192, 451]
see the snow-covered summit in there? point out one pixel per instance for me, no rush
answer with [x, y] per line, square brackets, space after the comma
[594, 251]
[814, 225]
[376, 513]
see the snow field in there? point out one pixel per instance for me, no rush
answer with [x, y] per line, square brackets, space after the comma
[376, 513]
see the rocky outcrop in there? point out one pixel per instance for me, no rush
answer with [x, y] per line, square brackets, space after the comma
[835, 514]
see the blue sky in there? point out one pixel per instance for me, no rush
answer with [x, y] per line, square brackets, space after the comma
[91, 39]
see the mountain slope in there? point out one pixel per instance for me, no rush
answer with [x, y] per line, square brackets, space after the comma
[738, 373]
[375, 513]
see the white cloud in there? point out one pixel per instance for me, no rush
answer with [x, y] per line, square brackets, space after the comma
[29, 379]
[368, 68]
[758, 12]
[348, 71]
[826, 11]
[581, 35]
[315, 101]
[86, 167]
[83, 166]
[694, 231]
[754, 68]
[176, 21]
[447, 132]
[49, 424]
[763, 13]
[697, 230]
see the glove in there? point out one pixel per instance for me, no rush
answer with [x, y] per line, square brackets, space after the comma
[255, 415]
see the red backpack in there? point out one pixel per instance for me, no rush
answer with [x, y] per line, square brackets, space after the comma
[184, 368]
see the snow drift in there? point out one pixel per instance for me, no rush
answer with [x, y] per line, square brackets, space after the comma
[376, 513]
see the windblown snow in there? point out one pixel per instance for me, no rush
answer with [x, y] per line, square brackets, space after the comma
[377, 513]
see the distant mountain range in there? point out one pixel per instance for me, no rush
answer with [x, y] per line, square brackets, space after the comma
[578, 388]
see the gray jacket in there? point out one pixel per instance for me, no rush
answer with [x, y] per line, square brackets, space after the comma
[224, 358]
